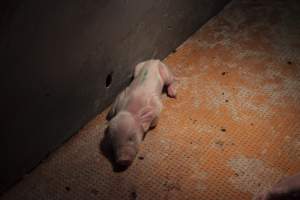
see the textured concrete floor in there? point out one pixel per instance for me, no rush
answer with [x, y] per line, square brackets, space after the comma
[233, 131]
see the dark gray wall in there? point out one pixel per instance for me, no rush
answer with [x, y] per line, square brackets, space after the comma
[56, 55]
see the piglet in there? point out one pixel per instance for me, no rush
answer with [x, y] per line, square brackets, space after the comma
[286, 189]
[137, 108]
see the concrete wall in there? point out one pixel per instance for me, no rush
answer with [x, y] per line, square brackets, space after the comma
[56, 56]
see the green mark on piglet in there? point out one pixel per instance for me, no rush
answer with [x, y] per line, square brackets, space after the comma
[144, 75]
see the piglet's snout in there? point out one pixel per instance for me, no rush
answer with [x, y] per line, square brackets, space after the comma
[125, 156]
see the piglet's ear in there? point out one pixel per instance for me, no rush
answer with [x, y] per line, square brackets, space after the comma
[146, 116]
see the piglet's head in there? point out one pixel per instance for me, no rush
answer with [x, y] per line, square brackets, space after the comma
[125, 134]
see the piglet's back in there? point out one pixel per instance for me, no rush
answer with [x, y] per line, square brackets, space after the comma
[149, 79]
[147, 85]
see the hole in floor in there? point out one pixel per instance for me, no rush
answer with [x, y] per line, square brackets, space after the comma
[133, 195]
[141, 157]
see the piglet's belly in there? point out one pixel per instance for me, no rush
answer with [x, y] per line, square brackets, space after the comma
[138, 102]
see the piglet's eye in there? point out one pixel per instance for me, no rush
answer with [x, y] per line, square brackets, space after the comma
[130, 138]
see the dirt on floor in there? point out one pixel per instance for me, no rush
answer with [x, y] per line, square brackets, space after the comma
[233, 131]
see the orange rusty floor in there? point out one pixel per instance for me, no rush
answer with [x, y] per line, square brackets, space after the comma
[233, 131]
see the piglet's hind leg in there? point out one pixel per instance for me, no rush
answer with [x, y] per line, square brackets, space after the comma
[169, 80]
[171, 90]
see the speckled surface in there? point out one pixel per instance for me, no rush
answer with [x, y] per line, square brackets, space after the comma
[233, 131]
